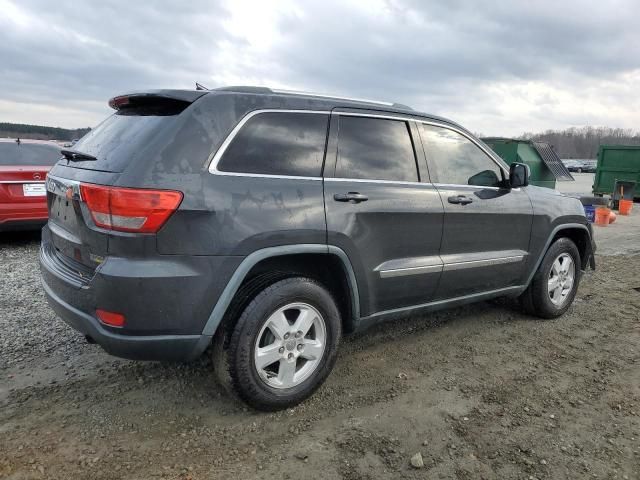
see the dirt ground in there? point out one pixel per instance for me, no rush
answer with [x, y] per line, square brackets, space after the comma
[480, 392]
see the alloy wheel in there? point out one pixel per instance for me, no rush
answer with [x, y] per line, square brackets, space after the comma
[561, 279]
[290, 345]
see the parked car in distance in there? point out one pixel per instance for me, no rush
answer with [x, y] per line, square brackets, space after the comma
[23, 168]
[572, 165]
[267, 224]
[580, 166]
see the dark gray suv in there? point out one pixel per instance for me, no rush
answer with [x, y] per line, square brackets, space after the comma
[266, 224]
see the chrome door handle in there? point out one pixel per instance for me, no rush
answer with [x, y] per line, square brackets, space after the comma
[460, 199]
[351, 197]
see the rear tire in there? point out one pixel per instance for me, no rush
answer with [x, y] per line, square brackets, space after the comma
[555, 283]
[283, 346]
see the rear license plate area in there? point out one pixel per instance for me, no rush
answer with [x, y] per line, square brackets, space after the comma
[34, 190]
[63, 212]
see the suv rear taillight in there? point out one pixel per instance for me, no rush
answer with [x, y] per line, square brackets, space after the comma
[129, 209]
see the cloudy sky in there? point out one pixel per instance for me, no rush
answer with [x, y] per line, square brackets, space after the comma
[498, 67]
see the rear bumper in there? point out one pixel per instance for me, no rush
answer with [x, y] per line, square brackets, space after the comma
[166, 300]
[147, 347]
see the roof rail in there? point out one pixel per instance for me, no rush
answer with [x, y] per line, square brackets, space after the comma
[244, 89]
[401, 106]
[249, 89]
[338, 97]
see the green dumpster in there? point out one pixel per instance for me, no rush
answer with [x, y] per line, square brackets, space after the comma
[546, 167]
[617, 163]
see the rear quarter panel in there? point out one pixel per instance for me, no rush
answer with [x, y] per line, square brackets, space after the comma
[236, 215]
[226, 214]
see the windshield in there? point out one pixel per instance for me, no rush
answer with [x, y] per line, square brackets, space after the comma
[30, 154]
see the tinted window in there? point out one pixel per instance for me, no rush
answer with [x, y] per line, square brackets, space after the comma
[375, 149]
[278, 144]
[12, 153]
[457, 160]
[121, 137]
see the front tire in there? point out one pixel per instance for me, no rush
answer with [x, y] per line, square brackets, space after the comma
[284, 344]
[555, 284]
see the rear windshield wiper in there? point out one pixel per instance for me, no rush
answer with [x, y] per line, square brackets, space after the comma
[76, 156]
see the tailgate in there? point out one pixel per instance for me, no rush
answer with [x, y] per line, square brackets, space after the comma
[71, 239]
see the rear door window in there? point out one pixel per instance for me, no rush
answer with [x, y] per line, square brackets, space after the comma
[375, 149]
[278, 143]
[30, 154]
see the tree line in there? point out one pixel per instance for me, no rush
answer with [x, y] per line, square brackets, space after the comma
[583, 142]
[40, 132]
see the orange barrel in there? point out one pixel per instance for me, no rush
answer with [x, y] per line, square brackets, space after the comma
[625, 206]
[602, 216]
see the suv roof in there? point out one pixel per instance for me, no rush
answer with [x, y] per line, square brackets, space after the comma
[326, 100]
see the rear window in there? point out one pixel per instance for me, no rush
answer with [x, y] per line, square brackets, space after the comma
[117, 139]
[40, 154]
[278, 143]
[123, 136]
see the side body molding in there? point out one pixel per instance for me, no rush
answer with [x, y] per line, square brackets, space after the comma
[250, 261]
[359, 323]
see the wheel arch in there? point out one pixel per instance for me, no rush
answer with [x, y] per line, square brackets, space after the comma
[576, 232]
[312, 260]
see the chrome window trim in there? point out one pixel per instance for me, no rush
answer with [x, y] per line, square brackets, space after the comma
[453, 186]
[365, 180]
[214, 158]
[263, 175]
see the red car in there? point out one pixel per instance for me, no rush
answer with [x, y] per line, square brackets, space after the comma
[23, 195]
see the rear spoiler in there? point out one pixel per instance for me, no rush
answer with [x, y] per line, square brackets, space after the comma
[156, 97]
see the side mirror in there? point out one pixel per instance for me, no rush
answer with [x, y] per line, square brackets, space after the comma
[519, 175]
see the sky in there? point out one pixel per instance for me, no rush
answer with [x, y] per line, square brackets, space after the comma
[497, 67]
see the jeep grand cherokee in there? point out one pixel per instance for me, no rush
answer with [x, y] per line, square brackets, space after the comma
[267, 224]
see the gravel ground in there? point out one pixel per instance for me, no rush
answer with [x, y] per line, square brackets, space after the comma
[479, 392]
